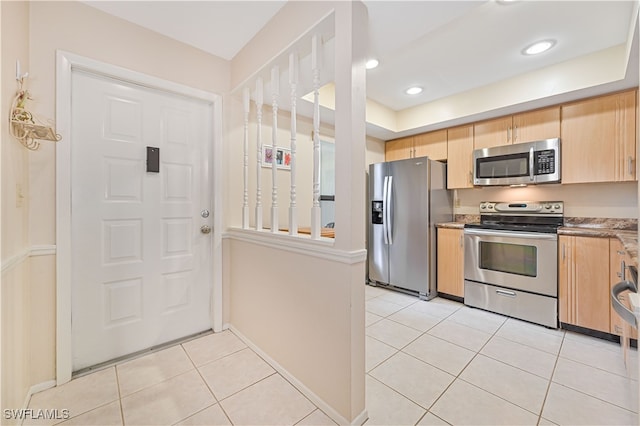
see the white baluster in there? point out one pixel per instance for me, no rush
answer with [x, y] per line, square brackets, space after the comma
[275, 92]
[245, 202]
[259, 101]
[315, 209]
[293, 81]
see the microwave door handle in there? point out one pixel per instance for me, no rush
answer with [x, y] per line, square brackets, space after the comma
[531, 164]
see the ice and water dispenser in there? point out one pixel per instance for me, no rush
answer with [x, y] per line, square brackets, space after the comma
[377, 212]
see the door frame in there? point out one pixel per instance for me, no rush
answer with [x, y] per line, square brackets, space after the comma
[66, 64]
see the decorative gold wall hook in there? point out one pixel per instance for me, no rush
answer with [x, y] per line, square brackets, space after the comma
[23, 125]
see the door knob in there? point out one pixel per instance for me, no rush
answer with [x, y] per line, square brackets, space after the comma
[205, 229]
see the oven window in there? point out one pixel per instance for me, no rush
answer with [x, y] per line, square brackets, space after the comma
[512, 165]
[509, 258]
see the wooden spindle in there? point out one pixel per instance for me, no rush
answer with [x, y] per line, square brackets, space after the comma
[316, 213]
[275, 92]
[245, 202]
[259, 101]
[293, 82]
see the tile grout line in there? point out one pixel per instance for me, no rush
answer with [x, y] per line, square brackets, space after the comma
[461, 371]
[581, 391]
[553, 372]
[115, 367]
[215, 398]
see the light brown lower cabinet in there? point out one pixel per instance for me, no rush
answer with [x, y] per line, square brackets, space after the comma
[451, 261]
[588, 267]
[583, 282]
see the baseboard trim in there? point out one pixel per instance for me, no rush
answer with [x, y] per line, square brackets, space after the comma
[35, 389]
[319, 402]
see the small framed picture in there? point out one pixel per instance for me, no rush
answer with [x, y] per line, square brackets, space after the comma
[282, 157]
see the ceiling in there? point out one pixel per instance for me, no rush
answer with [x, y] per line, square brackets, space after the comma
[447, 47]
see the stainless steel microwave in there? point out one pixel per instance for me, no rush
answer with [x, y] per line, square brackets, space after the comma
[518, 164]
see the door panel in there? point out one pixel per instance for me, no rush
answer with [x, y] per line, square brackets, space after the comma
[378, 251]
[140, 265]
[408, 252]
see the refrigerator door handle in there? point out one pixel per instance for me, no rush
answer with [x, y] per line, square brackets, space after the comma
[388, 210]
[384, 209]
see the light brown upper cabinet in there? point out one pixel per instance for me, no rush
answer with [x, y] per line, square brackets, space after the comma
[490, 133]
[599, 139]
[432, 145]
[524, 127]
[460, 157]
[398, 149]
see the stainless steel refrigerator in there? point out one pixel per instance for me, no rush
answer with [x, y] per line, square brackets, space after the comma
[406, 199]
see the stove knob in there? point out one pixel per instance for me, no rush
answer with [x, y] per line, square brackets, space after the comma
[482, 206]
[557, 207]
[547, 206]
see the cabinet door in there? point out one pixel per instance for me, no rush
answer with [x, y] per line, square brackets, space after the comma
[450, 261]
[619, 258]
[565, 308]
[626, 136]
[598, 139]
[460, 157]
[586, 283]
[432, 145]
[536, 125]
[398, 149]
[492, 133]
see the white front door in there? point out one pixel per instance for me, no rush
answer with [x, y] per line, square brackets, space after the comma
[141, 266]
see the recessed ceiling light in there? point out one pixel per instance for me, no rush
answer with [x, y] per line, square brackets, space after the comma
[371, 64]
[538, 47]
[413, 90]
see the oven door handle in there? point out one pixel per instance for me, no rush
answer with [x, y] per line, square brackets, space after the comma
[510, 234]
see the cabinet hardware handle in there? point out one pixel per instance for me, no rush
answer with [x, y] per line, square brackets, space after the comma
[505, 293]
[623, 266]
[460, 240]
[508, 133]
[515, 134]
[630, 165]
[470, 177]
[620, 252]
[563, 253]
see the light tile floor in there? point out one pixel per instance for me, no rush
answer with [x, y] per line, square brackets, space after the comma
[428, 363]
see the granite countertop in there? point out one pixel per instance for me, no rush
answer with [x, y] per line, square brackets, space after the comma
[460, 220]
[623, 229]
[626, 230]
[450, 225]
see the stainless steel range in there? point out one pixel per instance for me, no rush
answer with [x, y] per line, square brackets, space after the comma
[511, 260]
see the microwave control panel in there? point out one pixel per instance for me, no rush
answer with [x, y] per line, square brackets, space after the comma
[544, 162]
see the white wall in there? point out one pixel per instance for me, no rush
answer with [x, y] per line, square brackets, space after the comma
[302, 303]
[15, 310]
[32, 32]
[612, 200]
